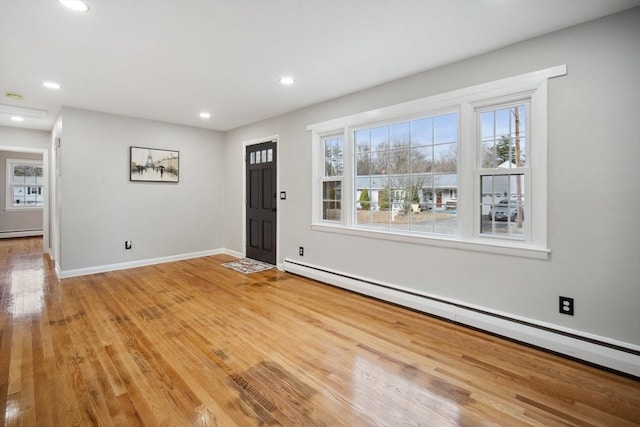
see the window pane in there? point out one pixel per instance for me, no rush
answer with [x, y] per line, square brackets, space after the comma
[488, 155]
[26, 196]
[503, 122]
[422, 132]
[486, 125]
[379, 160]
[363, 207]
[399, 218]
[331, 200]
[445, 128]
[26, 173]
[421, 159]
[19, 193]
[363, 217]
[399, 134]
[333, 156]
[423, 220]
[363, 164]
[445, 158]
[445, 221]
[399, 161]
[502, 205]
[380, 138]
[362, 141]
[380, 213]
[364, 196]
[504, 139]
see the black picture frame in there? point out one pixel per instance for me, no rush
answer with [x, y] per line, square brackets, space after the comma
[154, 165]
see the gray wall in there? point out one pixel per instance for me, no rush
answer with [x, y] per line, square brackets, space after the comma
[593, 193]
[98, 208]
[11, 221]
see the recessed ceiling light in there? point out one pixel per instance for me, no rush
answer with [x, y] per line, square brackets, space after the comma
[287, 80]
[51, 85]
[75, 5]
[205, 115]
[17, 118]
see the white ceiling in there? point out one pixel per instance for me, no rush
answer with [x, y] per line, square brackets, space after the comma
[168, 60]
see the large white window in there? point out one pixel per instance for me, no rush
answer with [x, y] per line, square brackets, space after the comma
[25, 183]
[406, 175]
[464, 169]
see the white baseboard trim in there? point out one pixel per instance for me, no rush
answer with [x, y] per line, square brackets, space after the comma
[25, 233]
[602, 351]
[64, 274]
[58, 270]
[233, 253]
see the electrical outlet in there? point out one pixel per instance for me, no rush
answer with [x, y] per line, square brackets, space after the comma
[301, 251]
[127, 244]
[566, 305]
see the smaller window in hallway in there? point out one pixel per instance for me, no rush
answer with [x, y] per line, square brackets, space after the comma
[25, 183]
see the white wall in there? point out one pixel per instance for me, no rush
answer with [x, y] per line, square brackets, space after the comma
[99, 208]
[27, 139]
[17, 143]
[593, 194]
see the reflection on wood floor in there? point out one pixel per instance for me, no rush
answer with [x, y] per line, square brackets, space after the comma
[193, 343]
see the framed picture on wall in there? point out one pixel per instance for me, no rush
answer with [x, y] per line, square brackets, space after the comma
[154, 165]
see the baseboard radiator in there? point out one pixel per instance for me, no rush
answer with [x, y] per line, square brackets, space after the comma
[601, 351]
[20, 233]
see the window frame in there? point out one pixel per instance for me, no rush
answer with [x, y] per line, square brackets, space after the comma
[320, 177]
[10, 163]
[525, 170]
[531, 88]
[333, 178]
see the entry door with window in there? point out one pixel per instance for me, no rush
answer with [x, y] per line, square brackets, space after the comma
[261, 202]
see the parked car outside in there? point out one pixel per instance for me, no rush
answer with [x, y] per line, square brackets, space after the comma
[504, 211]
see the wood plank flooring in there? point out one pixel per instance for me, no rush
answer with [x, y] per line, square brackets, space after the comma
[192, 343]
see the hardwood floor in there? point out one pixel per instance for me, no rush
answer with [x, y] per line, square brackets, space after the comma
[194, 343]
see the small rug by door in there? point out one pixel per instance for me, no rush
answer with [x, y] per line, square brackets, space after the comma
[247, 265]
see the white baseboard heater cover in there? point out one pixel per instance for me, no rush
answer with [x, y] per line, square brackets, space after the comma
[20, 233]
[618, 356]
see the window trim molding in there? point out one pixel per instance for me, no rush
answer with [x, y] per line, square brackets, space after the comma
[509, 87]
[487, 244]
[531, 86]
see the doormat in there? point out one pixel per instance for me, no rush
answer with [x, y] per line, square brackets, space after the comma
[247, 265]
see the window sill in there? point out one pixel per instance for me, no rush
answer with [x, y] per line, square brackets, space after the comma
[486, 245]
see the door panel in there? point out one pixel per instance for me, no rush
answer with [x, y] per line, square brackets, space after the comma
[253, 190]
[261, 202]
[267, 202]
[254, 234]
[267, 236]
